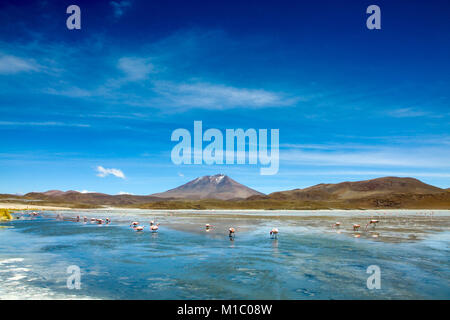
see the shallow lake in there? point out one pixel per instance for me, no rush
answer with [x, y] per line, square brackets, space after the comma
[309, 260]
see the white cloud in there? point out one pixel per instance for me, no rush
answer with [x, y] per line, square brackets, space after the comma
[219, 96]
[380, 173]
[11, 65]
[407, 113]
[43, 124]
[86, 191]
[103, 172]
[135, 68]
[72, 91]
[119, 7]
[382, 156]
[123, 192]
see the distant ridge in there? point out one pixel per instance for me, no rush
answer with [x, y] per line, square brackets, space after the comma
[221, 192]
[357, 190]
[218, 186]
[57, 193]
[90, 198]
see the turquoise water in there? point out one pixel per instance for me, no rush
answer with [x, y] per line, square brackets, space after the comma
[309, 260]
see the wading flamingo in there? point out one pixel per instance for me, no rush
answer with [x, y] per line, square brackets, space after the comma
[208, 226]
[78, 218]
[99, 221]
[108, 220]
[356, 227]
[85, 219]
[336, 224]
[154, 228]
[138, 228]
[134, 224]
[274, 233]
[231, 232]
[374, 222]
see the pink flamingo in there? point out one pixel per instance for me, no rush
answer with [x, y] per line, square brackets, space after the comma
[374, 222]
[138, 228]
[231, 232]
[134, 224]
[336, 224]
[274, 233]
[356, 227]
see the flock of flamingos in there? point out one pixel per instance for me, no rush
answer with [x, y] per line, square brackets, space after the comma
[231, 231]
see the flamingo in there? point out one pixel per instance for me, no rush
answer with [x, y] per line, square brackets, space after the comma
[78, 218]
[138, 228]
[154, 228]
[99, 221]
[231, 232]
[356, 227]
[374, 222]
[274, 233]
[208, 226]
[108, 220]
[336, 224]
[85, 219]
[134, 224]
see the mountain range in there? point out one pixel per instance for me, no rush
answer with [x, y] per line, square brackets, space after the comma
[220, 191]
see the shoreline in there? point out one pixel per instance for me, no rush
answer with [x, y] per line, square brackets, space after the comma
[21, 206]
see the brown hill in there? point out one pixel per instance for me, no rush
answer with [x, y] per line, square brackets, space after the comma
[56, 196]
[357, 190]
[381, 193]
[218, 186]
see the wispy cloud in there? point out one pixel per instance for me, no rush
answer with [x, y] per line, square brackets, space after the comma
[103, 172]
[119, 7]
[11, 65]
[379, 157]
[73, 92]
[43, 124]
[135, 68]
[367, 173]
[218, 96]
[407, 113]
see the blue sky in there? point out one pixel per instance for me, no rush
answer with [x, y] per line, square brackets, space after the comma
[350, 103]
